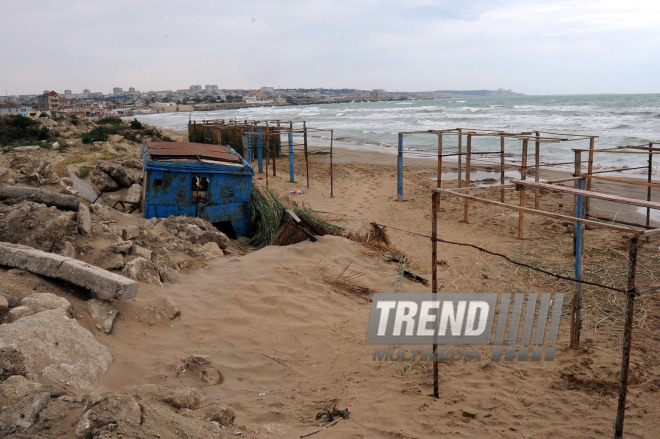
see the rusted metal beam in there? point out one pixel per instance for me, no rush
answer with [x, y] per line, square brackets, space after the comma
[548, 214]
[627, 339]
[600, 195]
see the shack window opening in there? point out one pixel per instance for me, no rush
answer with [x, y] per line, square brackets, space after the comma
[199, 189]
[158, 181]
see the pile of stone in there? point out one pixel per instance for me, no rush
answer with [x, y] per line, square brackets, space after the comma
[49, 371]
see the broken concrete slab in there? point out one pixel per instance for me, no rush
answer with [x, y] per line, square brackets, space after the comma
[40, 196]
[83, 188]
[102, 284]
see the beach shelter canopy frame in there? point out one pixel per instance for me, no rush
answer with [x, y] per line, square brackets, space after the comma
[582, 193]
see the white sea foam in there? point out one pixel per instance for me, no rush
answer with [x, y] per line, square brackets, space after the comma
[616, 119]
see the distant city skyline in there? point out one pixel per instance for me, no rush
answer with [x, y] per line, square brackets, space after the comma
[531, 47]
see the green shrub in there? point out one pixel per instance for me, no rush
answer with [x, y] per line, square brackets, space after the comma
[136, 124]
[111, 120]
[43, 134]
[98, 134]
[74, 119]
[16, 129]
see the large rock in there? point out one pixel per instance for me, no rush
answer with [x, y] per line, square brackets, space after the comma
[39, 302]
[116, 409]
[103, 314]
[17, 386]
[142, 270]
[40, 196]
[36, 225]
[101, 283]
[110, 261]
[123, 176]
[134, 193]
[102, 181]
[57, 348]
[179, 397]
[12, 362]
[195, 230]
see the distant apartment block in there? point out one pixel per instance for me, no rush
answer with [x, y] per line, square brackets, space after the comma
[49, 101]
[117, 91]
[195, 88]
[211, 89]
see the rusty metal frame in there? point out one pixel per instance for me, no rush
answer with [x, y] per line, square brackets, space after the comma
[634, 233]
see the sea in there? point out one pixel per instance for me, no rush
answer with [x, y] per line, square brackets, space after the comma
[616, 119]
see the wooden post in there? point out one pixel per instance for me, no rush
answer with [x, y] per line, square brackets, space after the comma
[306, 156]
[439, 179]
[267, 154]
[468, 161]
[537, 162]
[273, 153]
[399, 169]
[332, 183]
[435, 202]
[648, 189]
[523, 176]
[259, 151]
[590, 169]
[502, 171]
[627, 339]
[460, 156]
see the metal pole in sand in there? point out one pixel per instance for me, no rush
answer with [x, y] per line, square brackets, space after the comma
[468, 161]
[460, 156]
[502, 172]
[332, 181]
[537, 150]
[648, 189]
[576, 305]
[590, 169]
[439, 179]
[399, 170]
[523, 176]
[627, 339]
[306, 156]
[291, 174]
[259, 153]
[435, 202]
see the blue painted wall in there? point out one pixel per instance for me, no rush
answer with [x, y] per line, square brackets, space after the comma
[168, 185]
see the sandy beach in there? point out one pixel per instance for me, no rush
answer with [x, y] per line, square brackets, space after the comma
[288, 346]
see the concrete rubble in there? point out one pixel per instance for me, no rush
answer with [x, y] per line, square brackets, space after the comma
[101, 283]
[40, 196]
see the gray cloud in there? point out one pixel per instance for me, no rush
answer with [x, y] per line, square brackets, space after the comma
[539, 47]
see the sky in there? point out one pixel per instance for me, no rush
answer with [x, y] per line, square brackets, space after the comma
[532, 47]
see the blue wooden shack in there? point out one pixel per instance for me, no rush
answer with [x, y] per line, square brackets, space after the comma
[206, 181]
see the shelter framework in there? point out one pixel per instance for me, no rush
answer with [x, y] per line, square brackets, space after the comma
[262, 139]
[582, 193]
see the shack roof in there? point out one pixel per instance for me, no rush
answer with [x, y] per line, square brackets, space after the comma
[192, 151]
